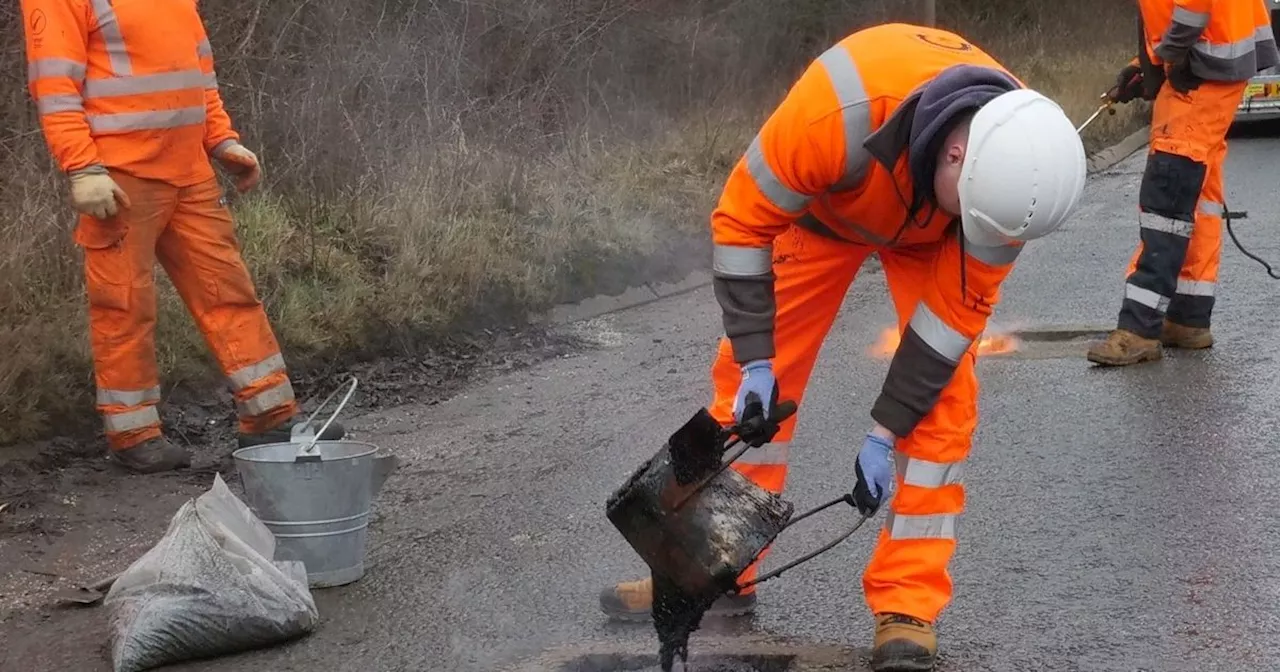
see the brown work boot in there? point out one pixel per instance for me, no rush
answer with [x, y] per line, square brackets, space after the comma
[153, 456]
[1123, 347]
[1176, 335]
[903, 644]
[633, 601]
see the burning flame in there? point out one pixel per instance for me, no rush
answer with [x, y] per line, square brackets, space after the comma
[989, 344]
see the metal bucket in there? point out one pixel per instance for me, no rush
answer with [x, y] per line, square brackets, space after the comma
[315, 497]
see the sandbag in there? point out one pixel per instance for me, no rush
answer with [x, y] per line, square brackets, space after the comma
[207, 588]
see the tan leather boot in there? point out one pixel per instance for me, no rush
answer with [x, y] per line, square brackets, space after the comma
[1176, 335]
[1123, 347]
[633, 601]
[153, 456]
[903, 644]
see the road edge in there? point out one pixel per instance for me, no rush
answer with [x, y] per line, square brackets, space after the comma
[646, 293]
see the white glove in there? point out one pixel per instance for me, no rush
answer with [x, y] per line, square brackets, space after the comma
[242, 163]
[94, 193]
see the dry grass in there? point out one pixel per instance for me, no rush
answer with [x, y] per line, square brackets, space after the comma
[437, 165]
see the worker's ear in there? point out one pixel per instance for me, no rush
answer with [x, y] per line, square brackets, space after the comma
[955, 154]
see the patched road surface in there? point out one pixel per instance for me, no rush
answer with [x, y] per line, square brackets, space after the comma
[1117, 520]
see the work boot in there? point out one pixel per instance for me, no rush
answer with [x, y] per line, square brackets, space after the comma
[633, 601]
[1123, 347]
[1176, 335]
[153, 456]
[903, 644]
[284, 432]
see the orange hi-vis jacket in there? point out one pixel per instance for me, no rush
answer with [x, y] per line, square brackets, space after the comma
[126, 84]
[1222, 40]
[832, 158]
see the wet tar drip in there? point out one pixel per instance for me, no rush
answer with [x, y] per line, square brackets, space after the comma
[676, 615]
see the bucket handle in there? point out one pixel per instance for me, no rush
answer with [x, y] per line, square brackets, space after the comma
[309, 447]
[845, 499]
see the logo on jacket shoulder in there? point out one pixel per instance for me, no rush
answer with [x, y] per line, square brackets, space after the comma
[945, 41]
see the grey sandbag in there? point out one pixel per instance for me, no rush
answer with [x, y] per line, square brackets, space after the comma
[207, 588]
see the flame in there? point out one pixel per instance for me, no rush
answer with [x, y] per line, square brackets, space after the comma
[989, 344]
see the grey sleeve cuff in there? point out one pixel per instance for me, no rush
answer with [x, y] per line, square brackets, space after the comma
[916, 378]
[748, 312]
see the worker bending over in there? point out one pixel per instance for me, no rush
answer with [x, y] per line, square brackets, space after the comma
[912, 143]
[1195, 59]
[128, 101]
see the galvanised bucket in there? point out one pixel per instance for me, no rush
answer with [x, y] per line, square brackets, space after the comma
[315, 497]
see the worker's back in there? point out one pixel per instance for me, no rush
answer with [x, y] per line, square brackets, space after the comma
[853, 90]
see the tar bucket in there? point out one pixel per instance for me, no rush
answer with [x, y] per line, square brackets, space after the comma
[315, 497]
[698, 523]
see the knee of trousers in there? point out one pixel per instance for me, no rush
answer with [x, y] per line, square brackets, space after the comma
[1171, 186]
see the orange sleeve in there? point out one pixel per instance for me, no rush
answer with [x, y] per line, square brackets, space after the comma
[57, 37]
[959, 297]
[217, 125]
[797, 154]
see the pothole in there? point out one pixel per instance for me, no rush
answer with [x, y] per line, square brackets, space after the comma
[750, 654]
[1053, 342]
[712, 663]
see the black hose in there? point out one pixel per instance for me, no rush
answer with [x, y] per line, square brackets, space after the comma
[1226, 216]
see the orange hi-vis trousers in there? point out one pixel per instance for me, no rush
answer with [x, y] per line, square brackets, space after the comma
[907, 573]
[190, 232]
[1174, 270]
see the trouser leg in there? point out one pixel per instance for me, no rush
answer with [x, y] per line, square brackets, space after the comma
[202, 257]
[907, 573]
[119, 261]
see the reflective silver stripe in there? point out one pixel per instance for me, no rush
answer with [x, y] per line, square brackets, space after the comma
[1226, 50]
[1169, 225]
[130, 85]
[927, 474]
[1264, 34]
[1146, 297]
[128, 397]
[271, 398]
[211, 80]
[741, 261]
[768, 454]
[55, 67]
[141, 121]
[782, 196]
[221, 147]
[246, 376]
[993, 256]
[124, 422]
[204, 49]
[855, 111]
[1213, 209]
[65, 102]
[932, 330]
[1189, 18]
[1195, 287]
[105, 16]
[935, 526]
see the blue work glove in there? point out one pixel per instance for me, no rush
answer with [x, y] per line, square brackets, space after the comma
[757, 400]
[875, 474]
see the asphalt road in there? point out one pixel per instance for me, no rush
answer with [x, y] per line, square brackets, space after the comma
[1117, 519]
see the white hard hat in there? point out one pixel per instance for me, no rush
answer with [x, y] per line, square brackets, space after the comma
[1024, 170]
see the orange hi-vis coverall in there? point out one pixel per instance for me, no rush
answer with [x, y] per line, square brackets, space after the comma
[1219, 44]
[826, 182]
[130, 86]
